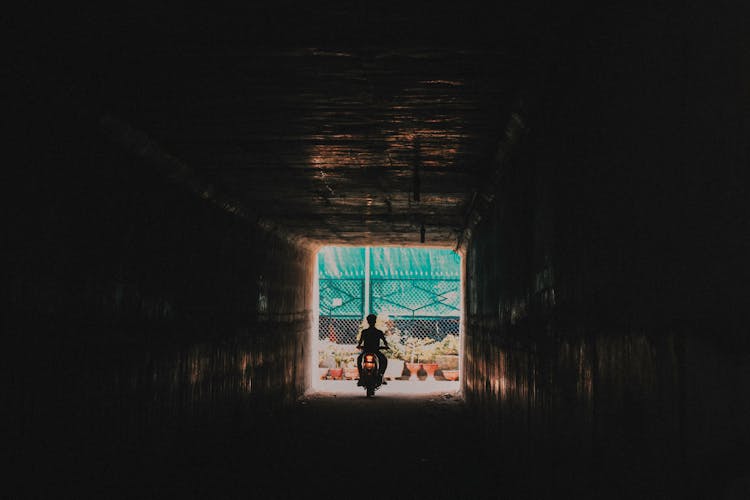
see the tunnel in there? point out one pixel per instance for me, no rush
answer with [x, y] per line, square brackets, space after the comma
[175, 172]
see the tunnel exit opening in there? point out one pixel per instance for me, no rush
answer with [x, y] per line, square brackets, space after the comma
[415, 294]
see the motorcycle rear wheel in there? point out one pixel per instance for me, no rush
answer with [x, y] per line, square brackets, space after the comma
[370, 392]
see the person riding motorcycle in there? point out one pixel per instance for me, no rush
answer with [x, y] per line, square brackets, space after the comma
[370, 339]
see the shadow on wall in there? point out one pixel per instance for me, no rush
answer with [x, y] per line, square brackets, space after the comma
[607, 273]
[136, 308]
[598, 415]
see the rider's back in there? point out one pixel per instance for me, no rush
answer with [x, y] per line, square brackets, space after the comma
[371, 338]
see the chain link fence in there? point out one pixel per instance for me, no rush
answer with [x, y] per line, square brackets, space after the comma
[345, 330]
[414, 308]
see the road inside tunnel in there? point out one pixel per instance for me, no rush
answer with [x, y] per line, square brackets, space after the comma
[326, 446]
[342, 445]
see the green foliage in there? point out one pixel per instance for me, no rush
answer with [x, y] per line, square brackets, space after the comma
[449, 345]
[343, 356]
[419, 350]
[397, 350]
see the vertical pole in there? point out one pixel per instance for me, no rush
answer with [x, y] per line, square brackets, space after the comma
[367, 281]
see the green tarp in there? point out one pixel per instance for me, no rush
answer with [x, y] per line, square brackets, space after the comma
[404, 282]
[389, 262]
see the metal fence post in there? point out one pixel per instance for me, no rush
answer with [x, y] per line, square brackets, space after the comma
[367, 282]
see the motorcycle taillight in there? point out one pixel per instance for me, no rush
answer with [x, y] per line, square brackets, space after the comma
[369, 358]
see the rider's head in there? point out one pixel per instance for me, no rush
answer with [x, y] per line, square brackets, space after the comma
[371, 319]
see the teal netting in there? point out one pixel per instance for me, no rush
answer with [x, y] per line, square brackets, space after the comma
[387, 262]
[341, 262]
[404, 282]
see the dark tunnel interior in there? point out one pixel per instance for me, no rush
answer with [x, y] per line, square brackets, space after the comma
[174, 172]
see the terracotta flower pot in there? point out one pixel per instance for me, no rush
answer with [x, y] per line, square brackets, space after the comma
[335, 373]
[450, 374]
[413, 369]
[430, 368]
[447, 361]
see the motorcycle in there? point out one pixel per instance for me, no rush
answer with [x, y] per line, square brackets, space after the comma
[370, 377]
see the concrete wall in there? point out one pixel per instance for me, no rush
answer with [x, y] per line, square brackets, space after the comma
[133, 306]
[606, 338]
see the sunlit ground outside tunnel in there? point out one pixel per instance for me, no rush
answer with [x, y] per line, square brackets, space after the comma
[415, 294]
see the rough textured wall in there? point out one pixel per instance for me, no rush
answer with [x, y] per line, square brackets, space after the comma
[132, 306]
[606, 337]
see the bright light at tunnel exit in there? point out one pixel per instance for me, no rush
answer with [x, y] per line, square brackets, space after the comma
[416, 294]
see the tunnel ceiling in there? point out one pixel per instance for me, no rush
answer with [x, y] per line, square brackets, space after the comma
[328, 130]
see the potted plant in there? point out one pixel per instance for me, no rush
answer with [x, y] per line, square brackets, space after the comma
[427, 357]
[446, 353]
[350, 368]
[415, 350]
[341, 357]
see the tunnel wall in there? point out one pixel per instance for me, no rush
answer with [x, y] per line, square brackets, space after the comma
[134, 307]
[605, 333]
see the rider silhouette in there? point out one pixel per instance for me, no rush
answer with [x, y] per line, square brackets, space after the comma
[371, 337]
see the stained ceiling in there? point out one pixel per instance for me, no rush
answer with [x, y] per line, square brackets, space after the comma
[329, 134]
